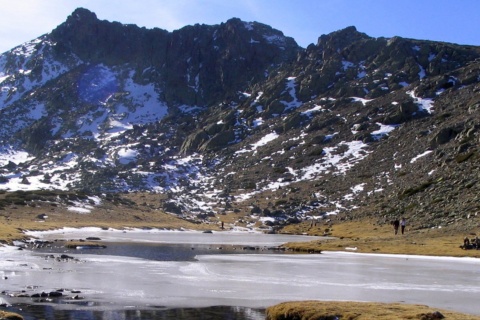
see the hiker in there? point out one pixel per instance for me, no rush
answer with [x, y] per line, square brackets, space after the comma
[396, 224]
[466, 243]
[403, 223]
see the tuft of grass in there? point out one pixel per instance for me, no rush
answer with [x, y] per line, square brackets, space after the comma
[4, 315]
[329, 310]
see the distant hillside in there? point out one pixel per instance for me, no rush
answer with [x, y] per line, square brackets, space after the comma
[238, 118]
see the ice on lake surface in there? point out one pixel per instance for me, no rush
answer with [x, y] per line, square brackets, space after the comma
[256, 280]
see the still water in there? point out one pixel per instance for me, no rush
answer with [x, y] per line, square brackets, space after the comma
[159, 250]
[47, 312]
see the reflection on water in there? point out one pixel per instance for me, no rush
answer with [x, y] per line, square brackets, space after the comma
[47, 312]
[159, 251]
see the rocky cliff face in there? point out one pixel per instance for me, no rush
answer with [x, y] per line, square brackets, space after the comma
[236, 117]
[196, 65]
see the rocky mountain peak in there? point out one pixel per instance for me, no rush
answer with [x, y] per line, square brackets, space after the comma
[82, 15]
[338, 40]
[101, 41]
[237, 117]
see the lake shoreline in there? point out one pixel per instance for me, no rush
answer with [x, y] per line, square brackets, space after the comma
[345, 237]
[224, 233]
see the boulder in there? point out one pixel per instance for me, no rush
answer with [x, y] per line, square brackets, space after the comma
[443, 136]
[220, 140]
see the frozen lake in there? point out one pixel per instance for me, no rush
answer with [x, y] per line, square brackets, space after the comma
[241, 280]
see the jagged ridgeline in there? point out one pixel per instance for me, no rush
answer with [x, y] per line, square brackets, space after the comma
[237, 117]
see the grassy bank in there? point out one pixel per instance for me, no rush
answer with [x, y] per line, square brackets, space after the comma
[316, 310]
[10, 316]
[14, 219]
[367, 236]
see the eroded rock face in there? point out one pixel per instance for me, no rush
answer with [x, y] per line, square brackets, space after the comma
[196, 65]
[209, 115]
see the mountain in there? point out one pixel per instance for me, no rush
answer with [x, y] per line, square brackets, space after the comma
[237, 118]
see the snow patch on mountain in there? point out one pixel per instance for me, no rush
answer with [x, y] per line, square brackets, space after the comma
[262, 142]
[11, 154]
[290, 88]
[337, 162]
[383, 131]
[127, 155]
[424, 104]
[19, 80]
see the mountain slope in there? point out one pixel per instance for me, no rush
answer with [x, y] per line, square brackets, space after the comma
[237, 118]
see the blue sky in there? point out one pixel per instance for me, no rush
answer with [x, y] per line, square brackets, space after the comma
[304, 20]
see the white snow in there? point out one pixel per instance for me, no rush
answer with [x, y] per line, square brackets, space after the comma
[362, 100]
[79, 209]
[37, 112]
[258, 122]
[361, 74]
[262, 142]
[269, 137]
[424, 104]
[9, 153]
[358, 188]
[383, 131]
[347, 64]
[422, 73]
[290, 88]
[189, 109]
[127, 155]
[20, 81]
[3, 77]
[330, 162]
[312, 111]
[275, 39]
[421, 156]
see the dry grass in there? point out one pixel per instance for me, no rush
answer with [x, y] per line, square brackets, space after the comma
[326, 310]
[10, 316]
[15, 219]
[369, 237]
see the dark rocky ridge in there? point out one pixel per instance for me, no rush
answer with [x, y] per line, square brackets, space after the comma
[248, 81]
[225, 58]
